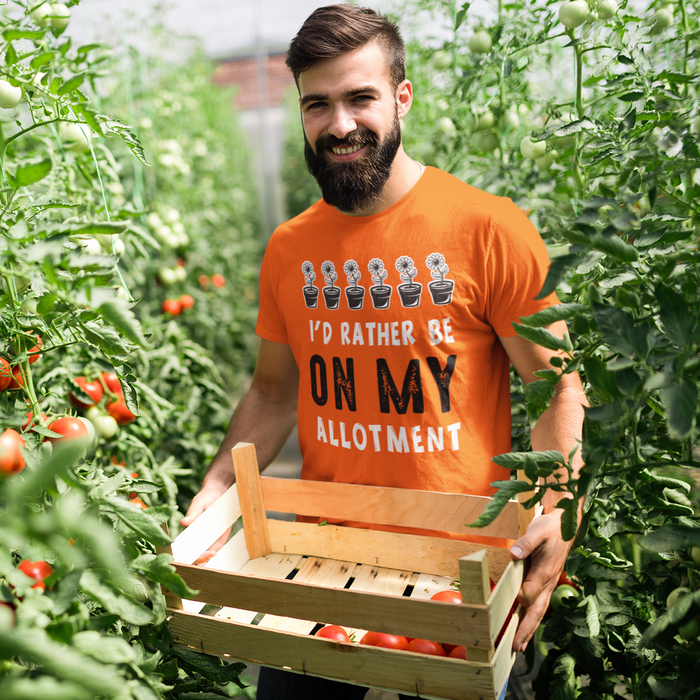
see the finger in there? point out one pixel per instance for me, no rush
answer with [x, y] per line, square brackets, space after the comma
[204, 557]
[193, 512]
[529, 623]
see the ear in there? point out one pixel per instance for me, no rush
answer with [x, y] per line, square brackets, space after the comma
[404, 98]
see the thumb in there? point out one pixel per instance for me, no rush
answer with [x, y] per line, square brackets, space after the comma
[525, 546]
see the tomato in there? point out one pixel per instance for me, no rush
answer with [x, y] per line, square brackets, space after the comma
[218, 280]
[91, 246]
[105, 426]
[446, 125]
[5, 374]
[30, 417]
[487, 141]
[425, 646]
[7, 611]
[573, 14]
[480, 42]
[387, 641]
[695, 554]
[547, 160]
[17, 381]
[662, 19]
[61, 16]
[41, 14]
[167, 276]
[172, 307]
[607, 9]
[93, 389]
[675, 595]
[75, 137]
[203, 282]
[448, 597]
[534, 149]
[485, 121]
[119, 411]
[509, 121]
[458, 653]
[111, 381]
[137, 502]
[441, 60]
[186, 301]
[35, 349]
[180, 273]
[11, 459]
[92, 434]
[563, 580]
[37, 570]
[111, 243]
[69, 428]
[690, 630]
[562, 594]
[333, 632]
[9, 95]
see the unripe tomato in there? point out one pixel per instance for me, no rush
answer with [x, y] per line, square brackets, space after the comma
[533, 149]
[93, 389]
[111, 243]
[441, 60]
[119, 411]
[675, 595]
[695, 554]
[480, 42]
[186, 301]
[172, 307]
[92, 433]
[509, 121]
[607, 9]
[91, 246]
[444, 124]
[41, 14]
[180, 273]
[167, 276]
[9, 95]
[546, 161]
[11, 459]
[662, 19]
[333, 632]
[37, 570]
[591, 17]
[388, 641]
[458, 653]
[690, 630]
[426, 646]
[561, 594]
[485, 121]
[486, 141]
[70, 429]
[5, 374]
[75, 137]
[573, 14]
[105, 426]
[61, 16]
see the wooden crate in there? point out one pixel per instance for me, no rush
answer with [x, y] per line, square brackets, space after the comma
[275, 580]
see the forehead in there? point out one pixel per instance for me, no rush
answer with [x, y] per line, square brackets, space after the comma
[365, 66]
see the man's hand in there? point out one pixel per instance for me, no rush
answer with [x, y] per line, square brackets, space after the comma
[199, 504]
[541, 542]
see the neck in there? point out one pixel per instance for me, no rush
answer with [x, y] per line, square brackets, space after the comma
[405, 173]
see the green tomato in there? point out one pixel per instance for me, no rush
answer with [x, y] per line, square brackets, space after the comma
[167, 276]
[545, 162]
[106, 427]
[29, 306]
[561, 594]
[91, 436]
[509, 121]
[480, 42]
[607, 9]
[180, 273]
[591, 17]
[60, 16]
[675, 595]
[662, 19]
[573, 14]
[691, 630]
[9, 95]
[532, 149]
[485, 121]
[111, 243]
[446, 125]
[41, 14]
[487, 141]
[441, 60]
[91, 246]
[75, 137]
[695, 554]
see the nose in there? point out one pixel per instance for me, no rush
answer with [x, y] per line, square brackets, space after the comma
[342, 122]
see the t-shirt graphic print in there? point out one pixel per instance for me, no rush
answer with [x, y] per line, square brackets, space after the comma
[394, 321]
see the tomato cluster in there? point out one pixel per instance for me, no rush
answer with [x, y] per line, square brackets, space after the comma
[175, 307]
[37, 570]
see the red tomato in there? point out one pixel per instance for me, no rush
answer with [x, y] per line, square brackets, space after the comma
[458, 653]
[30, 415]
[172, 307]
[138, 503]
[333, 632]
[388, 641]
[17, 381]
[38, 570]
[119, 411]
[93, 389]
[448, 597]
[39, 344]
[5, 374]
[70, 428]
[186, 301]
[203, 282]
[11, 460]
[112, 383]
[218, 280]
[181, 262]
[564, 581]
[425, 646]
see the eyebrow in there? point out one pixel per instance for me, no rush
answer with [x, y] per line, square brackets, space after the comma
[318, 97]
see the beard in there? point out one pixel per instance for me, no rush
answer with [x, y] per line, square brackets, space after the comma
[353, 186]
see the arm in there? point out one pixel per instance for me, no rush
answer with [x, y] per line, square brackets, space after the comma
[559, 428]
[265, 416]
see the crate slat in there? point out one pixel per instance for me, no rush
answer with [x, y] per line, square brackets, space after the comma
[232, 556]
[428, 585]
[370, 666]
[375, 579]
[392, 550]
[428, 510]
[503, 595]
[245, 464]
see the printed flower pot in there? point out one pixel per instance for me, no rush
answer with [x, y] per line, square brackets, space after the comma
[355, 297]
[381, 296]
[441, 292]
[332, 297]
[311, 297]
[410, 294]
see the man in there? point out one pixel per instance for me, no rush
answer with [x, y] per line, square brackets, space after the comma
[400, 376]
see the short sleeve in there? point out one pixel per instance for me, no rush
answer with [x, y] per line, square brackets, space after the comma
[517, 266]
[270, 324]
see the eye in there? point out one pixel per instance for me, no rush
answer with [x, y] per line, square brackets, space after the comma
[315, 106]
[363, 98]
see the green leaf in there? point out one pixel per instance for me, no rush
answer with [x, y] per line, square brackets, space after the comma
[64, 591]
[680, 402]
[569, 521]
[614, 247]
[210, 667]
[115, 601]
[42, 59]
[104, 337]
[138, 520]
[592, 614]
[30, 173]
[632, 96]
[108, 650]
[619, 331]
[159, 568]
[552, 314]
[11, 56]
[665, 689]
[543, 337]
[516, 460]
[562, 685]
[557, 269]
[679, 323]
[117, 313]
[671, 537]
[461, 15]
[12, 34]
[71, 84]
[671, 619]
[44, 687]
[506, 491]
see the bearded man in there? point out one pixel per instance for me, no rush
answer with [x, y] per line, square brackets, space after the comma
[400, 377]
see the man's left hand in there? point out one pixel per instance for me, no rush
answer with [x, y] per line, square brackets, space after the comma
[541, 542]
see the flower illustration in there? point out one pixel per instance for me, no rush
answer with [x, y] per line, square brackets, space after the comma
[376, 268]
[329, 273]
[309, 275]
[352, 270]
[437, 266]
[406, 269]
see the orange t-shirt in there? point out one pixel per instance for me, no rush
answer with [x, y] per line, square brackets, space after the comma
[394, 320]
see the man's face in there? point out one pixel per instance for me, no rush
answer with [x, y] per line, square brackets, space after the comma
[351, 126]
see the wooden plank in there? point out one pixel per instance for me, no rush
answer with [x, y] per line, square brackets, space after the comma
[384, 668]
[245, 464]
[428, 510]
[504, 658]
[427, 585]
[503, 595]
[390, 550]
[454, 624]
[274, 565]
[207, 528]
[375, 579]
[232, 556]
[321, 572]
[474, 577]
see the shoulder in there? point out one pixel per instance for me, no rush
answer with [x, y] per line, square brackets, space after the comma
[289, 231]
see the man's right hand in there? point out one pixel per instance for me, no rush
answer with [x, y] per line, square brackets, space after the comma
[199, 504]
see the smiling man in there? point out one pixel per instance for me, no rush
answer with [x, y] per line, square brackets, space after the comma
[386, 314]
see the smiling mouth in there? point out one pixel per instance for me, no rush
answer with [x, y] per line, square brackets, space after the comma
[347, 153]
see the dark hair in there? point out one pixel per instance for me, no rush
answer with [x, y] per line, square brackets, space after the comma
[336, 29]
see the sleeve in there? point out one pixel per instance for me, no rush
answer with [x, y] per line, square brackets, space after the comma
[516, 267]
[270, 324]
